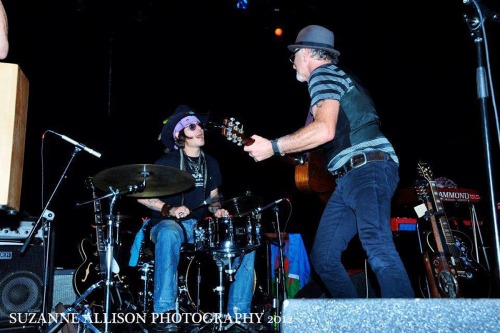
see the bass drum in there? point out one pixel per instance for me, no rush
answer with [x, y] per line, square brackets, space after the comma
[202, 280]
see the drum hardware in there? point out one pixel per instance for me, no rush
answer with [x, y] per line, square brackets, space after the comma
[223, 260]
[280, 287]
[146, 294]
[242, 206]
[77, 307]
[228, 235]
[148, 181]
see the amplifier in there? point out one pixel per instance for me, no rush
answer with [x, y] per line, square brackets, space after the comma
[403, 224]
[19, 231]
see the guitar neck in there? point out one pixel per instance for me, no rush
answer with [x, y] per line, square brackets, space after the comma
[101, 249]
[443, 221]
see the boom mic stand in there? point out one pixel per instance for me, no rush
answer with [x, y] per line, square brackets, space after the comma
[476, 26]
[47, 236]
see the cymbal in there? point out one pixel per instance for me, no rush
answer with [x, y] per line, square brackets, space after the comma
[118, 217]
[159, 180]
[243, 205]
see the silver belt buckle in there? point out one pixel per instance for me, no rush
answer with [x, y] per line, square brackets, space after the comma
[365, 160]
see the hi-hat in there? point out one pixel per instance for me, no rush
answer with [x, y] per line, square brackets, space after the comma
[158, 180]
[243, 205]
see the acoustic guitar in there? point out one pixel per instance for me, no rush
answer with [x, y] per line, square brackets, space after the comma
[310, 172]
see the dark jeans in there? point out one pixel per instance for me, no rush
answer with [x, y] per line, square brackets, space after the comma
[361, 203]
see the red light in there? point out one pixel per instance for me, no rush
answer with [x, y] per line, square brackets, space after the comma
[278, 32]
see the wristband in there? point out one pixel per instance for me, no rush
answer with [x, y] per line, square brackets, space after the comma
[165, 209]
[276, 148]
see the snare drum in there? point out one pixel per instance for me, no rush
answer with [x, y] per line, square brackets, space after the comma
[227, 234]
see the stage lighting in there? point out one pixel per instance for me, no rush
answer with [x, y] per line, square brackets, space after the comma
[242, 4]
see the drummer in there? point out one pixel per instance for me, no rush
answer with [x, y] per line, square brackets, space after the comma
[173, 221]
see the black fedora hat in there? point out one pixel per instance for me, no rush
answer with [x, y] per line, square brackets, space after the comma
[181, 112]
[315, 37]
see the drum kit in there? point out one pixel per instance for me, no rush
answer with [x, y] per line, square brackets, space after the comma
[218, 242]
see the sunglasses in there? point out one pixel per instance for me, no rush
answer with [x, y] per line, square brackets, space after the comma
[292, 56]
[192, 126]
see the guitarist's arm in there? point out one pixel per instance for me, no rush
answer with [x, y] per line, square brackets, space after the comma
[312, 135]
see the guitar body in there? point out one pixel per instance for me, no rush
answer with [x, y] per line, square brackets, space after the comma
[312, 176]
[89, 272]
[474, 279]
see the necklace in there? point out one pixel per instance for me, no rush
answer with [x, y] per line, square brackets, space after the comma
[199, 169]
[196, 167]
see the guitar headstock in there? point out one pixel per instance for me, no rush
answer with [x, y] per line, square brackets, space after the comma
[424, 171]
[421, 189]
[233, 131]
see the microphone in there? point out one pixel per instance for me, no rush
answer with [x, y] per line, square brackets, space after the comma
[258, 210]
[488, 13]
[79, 145]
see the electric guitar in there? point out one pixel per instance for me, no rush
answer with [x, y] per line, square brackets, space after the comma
[452, 270]
[310, 173]
[93, 267]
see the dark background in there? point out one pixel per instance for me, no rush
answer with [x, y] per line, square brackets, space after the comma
[107, 73]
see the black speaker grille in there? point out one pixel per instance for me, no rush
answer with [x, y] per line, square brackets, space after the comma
[21, 280]
[20, 293]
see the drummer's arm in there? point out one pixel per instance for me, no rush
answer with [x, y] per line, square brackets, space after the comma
[215, 208]
[157, 205]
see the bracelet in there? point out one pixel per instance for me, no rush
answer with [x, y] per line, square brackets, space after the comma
[276, 148]
[165, 209]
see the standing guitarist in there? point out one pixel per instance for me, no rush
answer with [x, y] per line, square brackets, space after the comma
[344, 123]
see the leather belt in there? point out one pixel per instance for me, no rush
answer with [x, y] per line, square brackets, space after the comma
[361, 159]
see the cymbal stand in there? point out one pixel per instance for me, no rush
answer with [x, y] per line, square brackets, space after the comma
[109, 246]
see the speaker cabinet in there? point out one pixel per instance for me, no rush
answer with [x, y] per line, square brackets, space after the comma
[21, 280]
[13, 113]
[63, 291]
[390, 315]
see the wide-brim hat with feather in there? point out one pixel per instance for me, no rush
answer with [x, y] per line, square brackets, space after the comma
[182, 116]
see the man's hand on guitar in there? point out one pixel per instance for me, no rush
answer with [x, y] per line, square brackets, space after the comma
[260, 150]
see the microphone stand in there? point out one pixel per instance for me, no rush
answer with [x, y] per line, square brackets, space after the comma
[476, 25]
[281, 293]
[47, 236]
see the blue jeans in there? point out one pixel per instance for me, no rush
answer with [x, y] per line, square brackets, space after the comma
[361, 203]
[168, 237]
